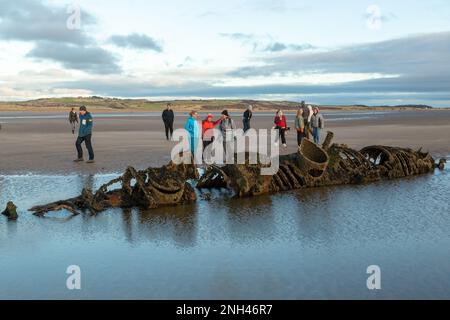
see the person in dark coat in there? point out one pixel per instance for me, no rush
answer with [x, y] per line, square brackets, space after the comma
[168, 119]
[247, 117]
[85, 135]
[73, 119]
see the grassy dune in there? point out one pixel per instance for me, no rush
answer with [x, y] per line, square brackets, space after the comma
[136, 105]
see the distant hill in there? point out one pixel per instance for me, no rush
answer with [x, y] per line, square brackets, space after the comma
[114, 104]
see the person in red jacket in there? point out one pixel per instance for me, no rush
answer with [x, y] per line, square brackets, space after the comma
[207, 124]
[281, 126]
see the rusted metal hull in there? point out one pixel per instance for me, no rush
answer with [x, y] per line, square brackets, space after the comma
[312, 166]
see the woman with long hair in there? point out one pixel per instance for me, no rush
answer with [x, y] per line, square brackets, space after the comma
[281, 126]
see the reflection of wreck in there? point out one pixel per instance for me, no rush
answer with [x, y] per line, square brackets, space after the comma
[311, 166]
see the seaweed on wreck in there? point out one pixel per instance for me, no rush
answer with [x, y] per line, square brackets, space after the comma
[312, 166]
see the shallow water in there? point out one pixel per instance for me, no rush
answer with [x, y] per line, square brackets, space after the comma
[331, 115]
[314, 243]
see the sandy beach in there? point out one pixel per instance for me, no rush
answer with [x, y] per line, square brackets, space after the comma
[43, 142]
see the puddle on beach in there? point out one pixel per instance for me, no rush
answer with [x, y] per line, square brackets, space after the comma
[314, 243]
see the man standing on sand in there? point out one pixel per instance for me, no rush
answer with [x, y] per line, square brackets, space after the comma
[85, 135]
[247, 117]
[168, 118]
[73, 119]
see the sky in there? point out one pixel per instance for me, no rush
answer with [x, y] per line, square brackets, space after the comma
[387, 52]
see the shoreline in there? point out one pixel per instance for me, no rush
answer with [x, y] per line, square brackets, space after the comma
[33, 145]
[64, 110]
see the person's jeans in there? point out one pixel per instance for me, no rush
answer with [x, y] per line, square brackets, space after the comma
[169, 129]
[87, 141]
[246, 124]
[300, 136]
[316, 134]
[73, 124]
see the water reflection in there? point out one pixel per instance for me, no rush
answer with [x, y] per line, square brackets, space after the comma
[248, 220]
[312, 243]
[177, 224]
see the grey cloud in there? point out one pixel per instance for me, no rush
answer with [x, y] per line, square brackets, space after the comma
[46, 27]
[265, 43]
[136, 41]
[422, 54]
[420, 62]
[279, 46]
[91, 59]
[238, 36]
[381, 86]
[27, 20]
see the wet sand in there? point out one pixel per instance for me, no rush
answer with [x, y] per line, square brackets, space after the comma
[43, 142]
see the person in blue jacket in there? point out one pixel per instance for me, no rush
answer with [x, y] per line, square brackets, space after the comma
[193, 128]
[85, 135]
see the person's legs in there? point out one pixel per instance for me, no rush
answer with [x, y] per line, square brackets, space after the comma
[87, 141]
[277, 139]
[283, 136]
[206, 143]
[307, 128]
[166, 127]
[73, 127]
[299, 137]
[316, 135]
[171, 129]
[246, 125]
[79, 149]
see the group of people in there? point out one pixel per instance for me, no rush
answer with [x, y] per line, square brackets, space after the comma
[192, 126]
[308, 122]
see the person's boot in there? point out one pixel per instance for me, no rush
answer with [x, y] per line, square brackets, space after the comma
[90, 161]
[73, 131]
[78, 160]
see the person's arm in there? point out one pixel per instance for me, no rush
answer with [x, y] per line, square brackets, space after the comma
[89, 124]
[164, 117]
[188, 127]
[217, 122]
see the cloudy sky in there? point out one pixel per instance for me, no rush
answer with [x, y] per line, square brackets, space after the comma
[328, 52]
